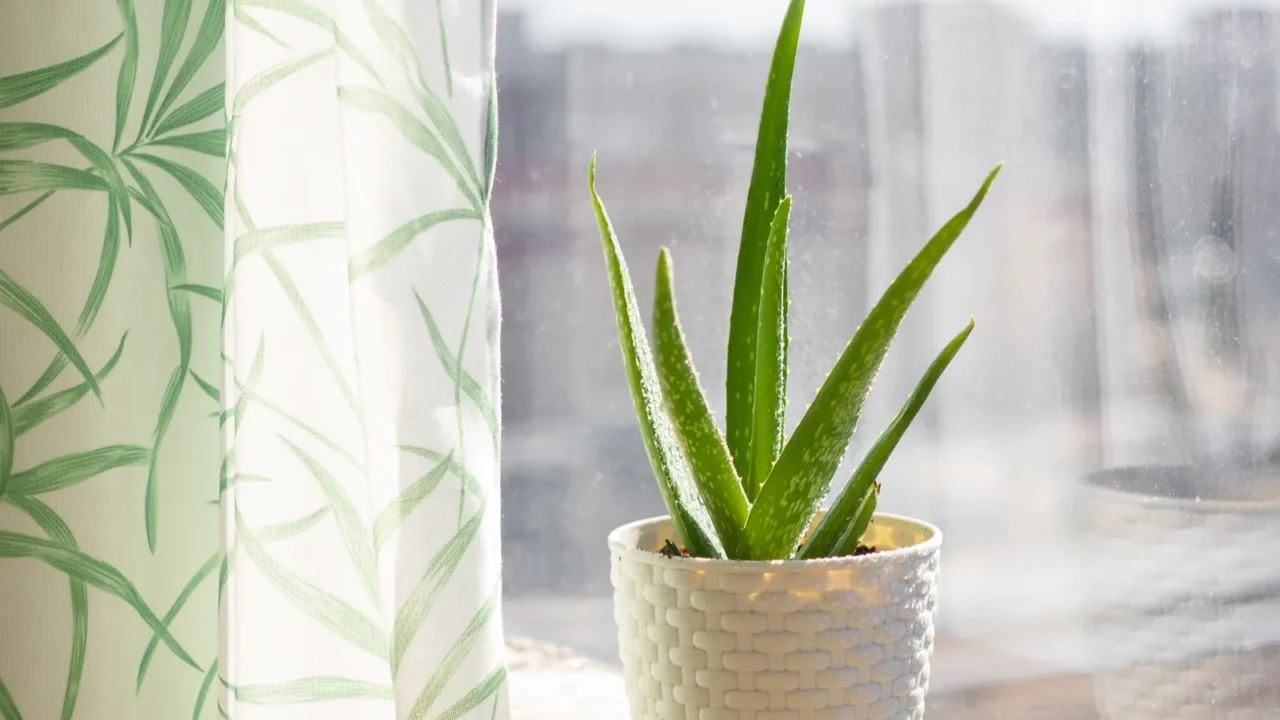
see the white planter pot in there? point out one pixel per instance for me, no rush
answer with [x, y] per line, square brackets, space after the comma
[1184, 591]
[833, 639]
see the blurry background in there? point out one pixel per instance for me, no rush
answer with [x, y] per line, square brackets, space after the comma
[1123, 274]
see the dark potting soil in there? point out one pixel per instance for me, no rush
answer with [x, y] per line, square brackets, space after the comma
[670, 549]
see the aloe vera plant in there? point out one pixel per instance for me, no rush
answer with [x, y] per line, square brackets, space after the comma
[749, 493]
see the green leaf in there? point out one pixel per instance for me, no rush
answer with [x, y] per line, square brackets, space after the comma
[413, 613]
[386, 249]
[312, 690]
[128, 69]
[7, 434]
[26, 85]
[414, 130]
[308, 320]
[25, 209]
[203, 191]
[459, 471]
[168, 406]
[861, 521]
[187, 591]
[204, 689]
[30, 414]
[669, 464]
[21, 301]
[207, 37]
[262, 239]
[491, 136]
[58, 532]
[209, 388]
[458, 374]
[296, 8]
[394, 514]
[355, 536]
[92, 304]
[8, 708]
[18, 135]
[803, 472]
[74, 468]
[193, 111]
[175, 274]
[829, 536]
[267, 79]
[286, 530]
[444, 49]
[769, 407]
[92, 572]
[483, 690]
[209, 142]
[173, 25]
[690, 415]
[334, 614]
[212, 293]
[18, 176]
[452, 660]
[768, 185]
[243, 17]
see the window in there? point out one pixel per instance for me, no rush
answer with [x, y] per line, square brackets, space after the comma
[1101, 456]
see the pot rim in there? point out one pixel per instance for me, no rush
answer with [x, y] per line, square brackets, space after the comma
[910, 553]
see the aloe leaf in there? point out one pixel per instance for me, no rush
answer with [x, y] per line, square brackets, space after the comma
[183, 596]
[861, 521]
[386, 249]
[768, 185]
[23, 86]
[21, 301]
[769, 407]
[802, 475]
[173, 25]
[7, 434]
[93, 572]
[194, 110]
[691, 417]
[75, 468]
[29, 415]
[453, 659]
[312, 690]
[58, 532]
[206, 41]
[829, 536]
[128, 69]
[209, 142]
[669, 464]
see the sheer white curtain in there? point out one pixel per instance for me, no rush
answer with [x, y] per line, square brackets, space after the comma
[310, 282]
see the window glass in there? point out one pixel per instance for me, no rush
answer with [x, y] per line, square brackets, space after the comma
[1101, 456]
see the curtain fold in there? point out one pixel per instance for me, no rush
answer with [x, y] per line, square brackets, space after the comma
[249, 402]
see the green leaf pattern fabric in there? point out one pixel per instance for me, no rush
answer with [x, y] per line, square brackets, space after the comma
[250, 417]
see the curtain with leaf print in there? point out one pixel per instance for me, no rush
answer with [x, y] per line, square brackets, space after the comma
[249, 400]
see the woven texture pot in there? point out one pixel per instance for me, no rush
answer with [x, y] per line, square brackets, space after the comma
[834, 639]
